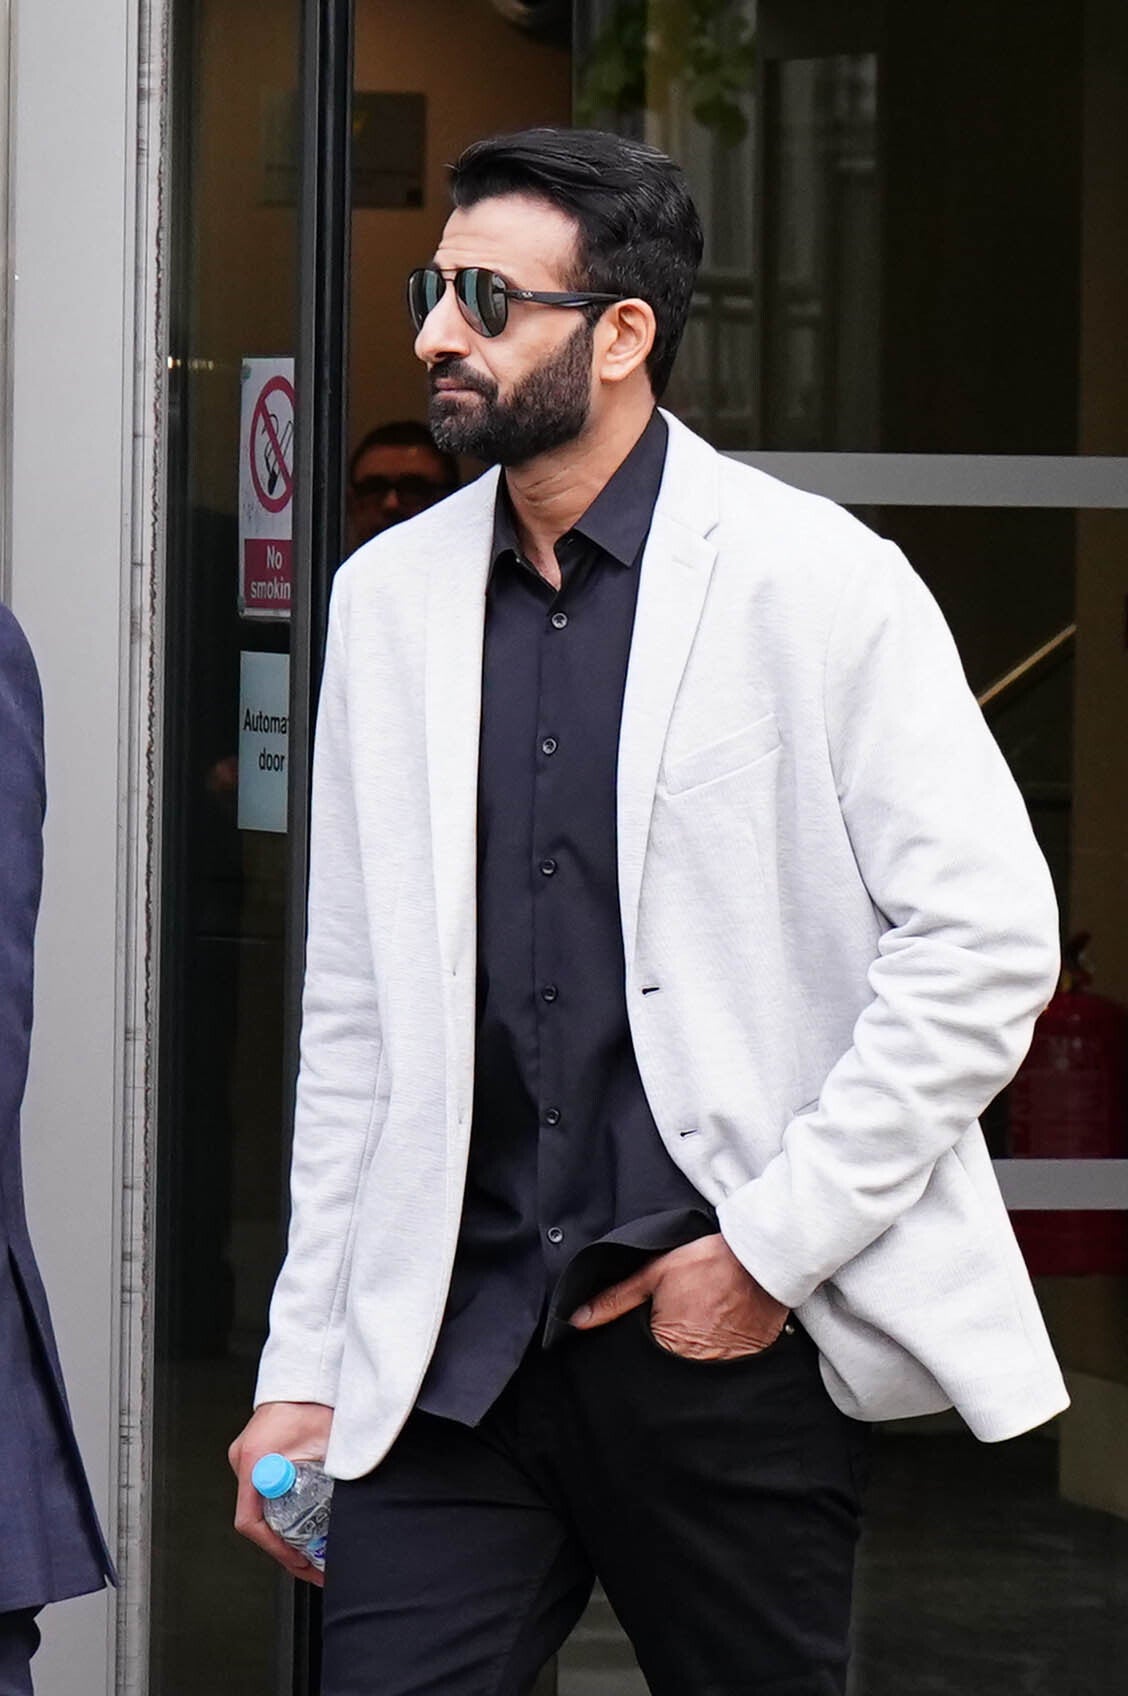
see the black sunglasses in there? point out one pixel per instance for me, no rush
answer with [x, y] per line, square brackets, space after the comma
[483, 297]
[409, 490]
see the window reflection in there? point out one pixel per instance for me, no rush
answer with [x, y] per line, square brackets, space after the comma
[682, 75]
[822, 308]
[914, 215]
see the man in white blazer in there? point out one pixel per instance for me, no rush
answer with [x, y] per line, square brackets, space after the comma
[672, 918]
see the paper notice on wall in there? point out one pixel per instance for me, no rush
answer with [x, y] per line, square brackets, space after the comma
[264, 740]
[266, 488]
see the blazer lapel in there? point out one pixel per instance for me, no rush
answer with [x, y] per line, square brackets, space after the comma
[455, 622]
[676, 567]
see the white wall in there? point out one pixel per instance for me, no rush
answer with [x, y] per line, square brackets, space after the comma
[73, 194]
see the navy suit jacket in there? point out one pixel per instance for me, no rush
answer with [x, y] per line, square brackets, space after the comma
[51, 1545]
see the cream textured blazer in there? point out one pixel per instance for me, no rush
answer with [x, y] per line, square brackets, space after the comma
[837, 928]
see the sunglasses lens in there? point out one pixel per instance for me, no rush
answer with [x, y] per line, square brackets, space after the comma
[424, 291]
[481, 294]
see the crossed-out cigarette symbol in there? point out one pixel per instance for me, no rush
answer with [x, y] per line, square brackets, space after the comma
[272, 445]
[284, 436]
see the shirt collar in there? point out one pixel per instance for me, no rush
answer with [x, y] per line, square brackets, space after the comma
[618, 519]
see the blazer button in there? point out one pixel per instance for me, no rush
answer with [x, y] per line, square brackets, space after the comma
[554, 1234]
[549, 992]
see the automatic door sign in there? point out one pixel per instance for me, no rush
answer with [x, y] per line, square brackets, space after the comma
[264, 740]
[266, 488]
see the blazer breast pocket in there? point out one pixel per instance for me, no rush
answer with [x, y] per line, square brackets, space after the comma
[723, 758]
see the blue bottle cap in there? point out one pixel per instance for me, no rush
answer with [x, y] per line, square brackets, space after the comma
[273, 1475]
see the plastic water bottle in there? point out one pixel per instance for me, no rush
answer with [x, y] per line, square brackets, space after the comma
[296, 1501]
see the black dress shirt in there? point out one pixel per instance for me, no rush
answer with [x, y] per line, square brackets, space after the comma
[569, 1183]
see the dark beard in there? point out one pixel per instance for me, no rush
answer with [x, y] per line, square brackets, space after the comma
[548, 408]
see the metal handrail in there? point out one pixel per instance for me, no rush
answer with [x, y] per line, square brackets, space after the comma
[1003, 684]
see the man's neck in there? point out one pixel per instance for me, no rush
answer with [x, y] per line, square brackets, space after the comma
[549, 494]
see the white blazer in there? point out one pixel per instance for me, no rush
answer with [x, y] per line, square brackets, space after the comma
[830, 895]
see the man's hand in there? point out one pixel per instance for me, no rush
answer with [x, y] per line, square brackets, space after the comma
[703, 1303]
[299, 1430]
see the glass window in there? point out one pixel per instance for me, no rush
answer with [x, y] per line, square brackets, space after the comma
[915, 215]
[821, 306]
[219, 1612]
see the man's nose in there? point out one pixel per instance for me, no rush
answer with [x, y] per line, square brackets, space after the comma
[444, 333]
[390, 504]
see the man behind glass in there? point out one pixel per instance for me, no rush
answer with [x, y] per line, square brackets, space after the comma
[395, 472]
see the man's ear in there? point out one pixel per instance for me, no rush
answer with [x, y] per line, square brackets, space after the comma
[624, 338]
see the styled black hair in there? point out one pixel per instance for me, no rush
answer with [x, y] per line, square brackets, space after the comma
[639, 232]
[405, 433]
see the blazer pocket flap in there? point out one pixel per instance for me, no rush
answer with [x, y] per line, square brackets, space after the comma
[722, 758]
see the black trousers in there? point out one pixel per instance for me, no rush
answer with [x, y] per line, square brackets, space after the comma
[19, 1639]
[718, 1503]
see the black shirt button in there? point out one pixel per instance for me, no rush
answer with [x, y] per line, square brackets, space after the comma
[547, 867]
[549, 992]
[549, 745]
[554, 1234]
[552, 1115]
[559, 620]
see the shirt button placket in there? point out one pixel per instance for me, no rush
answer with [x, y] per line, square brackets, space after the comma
[547, 825]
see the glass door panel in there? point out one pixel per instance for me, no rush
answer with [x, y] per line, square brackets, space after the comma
[914, 235]
[219, 1613]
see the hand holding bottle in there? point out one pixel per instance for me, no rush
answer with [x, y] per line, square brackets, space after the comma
[297, 1496]
[299, 1430]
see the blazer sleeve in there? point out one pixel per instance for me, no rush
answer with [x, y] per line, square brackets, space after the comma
[968, 960]
[21, 860]
[340, 1055]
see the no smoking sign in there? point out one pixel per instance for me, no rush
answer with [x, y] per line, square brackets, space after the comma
[266, 488]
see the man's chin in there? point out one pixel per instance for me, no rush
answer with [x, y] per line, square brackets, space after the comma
[455, 428]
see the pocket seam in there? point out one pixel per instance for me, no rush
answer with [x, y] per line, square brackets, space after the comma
[748, 746]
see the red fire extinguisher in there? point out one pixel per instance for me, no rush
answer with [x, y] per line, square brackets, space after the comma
[1070, 1100]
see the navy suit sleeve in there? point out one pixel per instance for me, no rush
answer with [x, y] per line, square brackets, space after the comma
[52, 1545]
[22, 803]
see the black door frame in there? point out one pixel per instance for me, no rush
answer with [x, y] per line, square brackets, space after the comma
[321, 374]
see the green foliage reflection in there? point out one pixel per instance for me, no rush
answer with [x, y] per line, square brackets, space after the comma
[647, 49]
